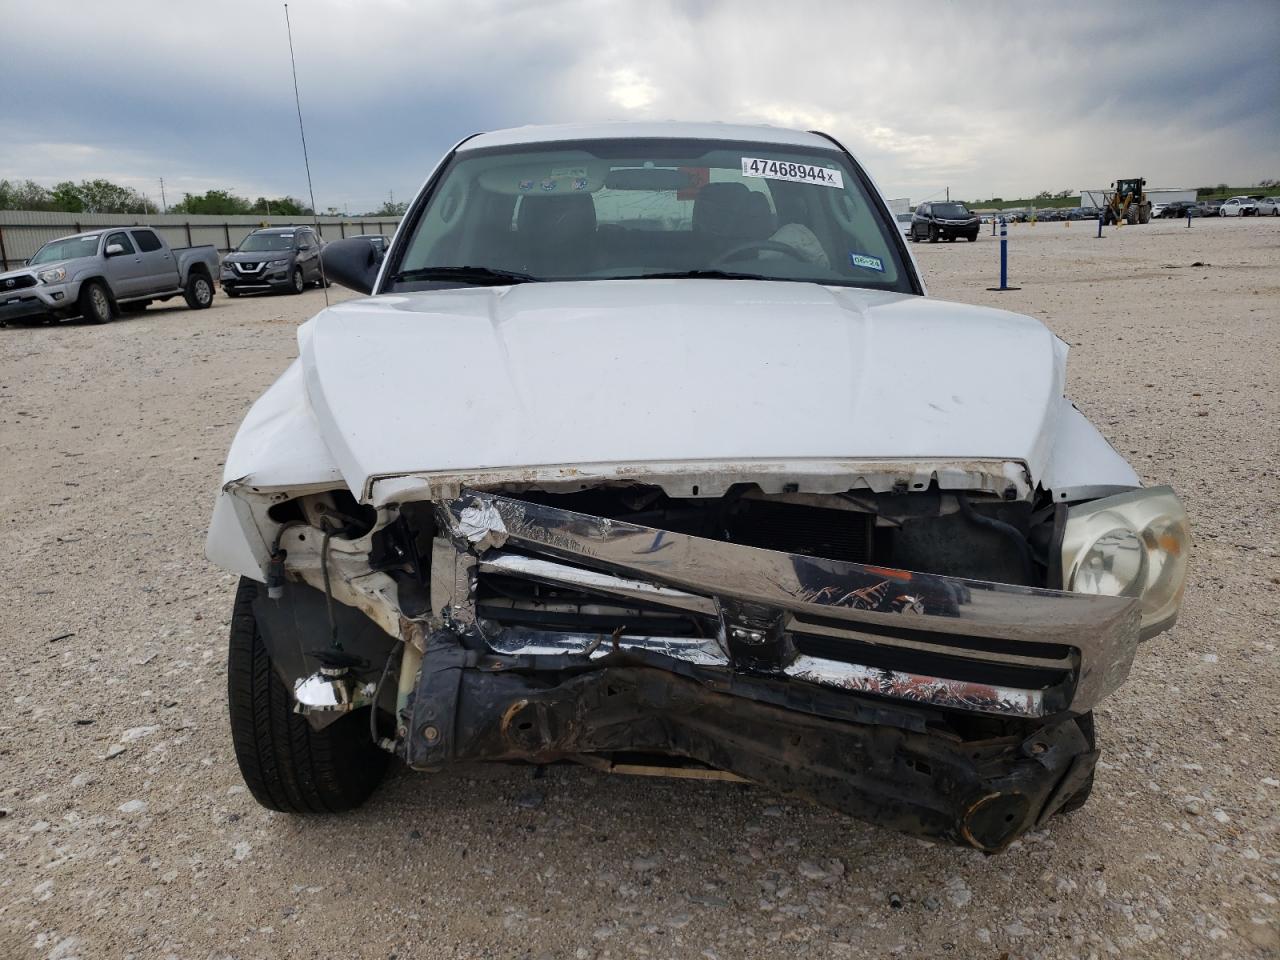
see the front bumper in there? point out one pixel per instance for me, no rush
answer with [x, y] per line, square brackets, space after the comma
[942, 707]
[987, 648]
[261, 280]
[40, 300]
[955, 229]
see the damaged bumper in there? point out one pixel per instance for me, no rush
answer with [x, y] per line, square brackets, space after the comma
[985, 647]
[816, 678]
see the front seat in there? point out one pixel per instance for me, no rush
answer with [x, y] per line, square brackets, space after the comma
[556, 235]
[724, 216]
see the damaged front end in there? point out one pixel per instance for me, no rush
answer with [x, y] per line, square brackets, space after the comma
[753, 635]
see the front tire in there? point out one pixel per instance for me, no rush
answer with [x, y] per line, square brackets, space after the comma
[199, 292]
[933, 233]
[287, 765]
[95, 303]
[972, 237]
[296, 283]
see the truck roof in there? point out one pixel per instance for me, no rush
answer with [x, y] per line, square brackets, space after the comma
[623, 129]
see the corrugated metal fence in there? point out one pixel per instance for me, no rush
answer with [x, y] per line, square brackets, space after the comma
[22, 232]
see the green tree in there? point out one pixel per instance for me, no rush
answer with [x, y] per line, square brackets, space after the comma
[389, 209]
[281, 207]
[214, 202]
[103, 196]
[24, 195]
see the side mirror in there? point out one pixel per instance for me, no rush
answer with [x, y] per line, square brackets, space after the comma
[113, 250]
[352, 263]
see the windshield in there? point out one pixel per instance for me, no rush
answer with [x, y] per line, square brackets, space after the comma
[259, 242]
[622, 209]
[66, 249]
[950, 211]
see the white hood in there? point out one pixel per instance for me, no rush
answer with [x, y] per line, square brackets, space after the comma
[674, 371]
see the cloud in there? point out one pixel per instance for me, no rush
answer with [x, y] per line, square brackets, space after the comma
[982, 97]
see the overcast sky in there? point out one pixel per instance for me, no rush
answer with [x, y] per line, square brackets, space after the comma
[985, 98]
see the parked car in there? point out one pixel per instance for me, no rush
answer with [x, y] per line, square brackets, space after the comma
[943, 221]
[1211, 208]
[275, 258]
[1269, 207]
[1179, 209]
[378, 241]
[1239, 207]
[904, 222]
[1158, 209]
[96, 275]
[472, 524]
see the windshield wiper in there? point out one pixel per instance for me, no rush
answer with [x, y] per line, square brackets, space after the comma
[480, 276]
[694, 275]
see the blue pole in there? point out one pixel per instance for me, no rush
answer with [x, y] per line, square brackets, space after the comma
[1004, 259]
[1188, 218]
[1004, 255]
[1099, 226]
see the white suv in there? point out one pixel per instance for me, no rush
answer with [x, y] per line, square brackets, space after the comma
[1239, 207]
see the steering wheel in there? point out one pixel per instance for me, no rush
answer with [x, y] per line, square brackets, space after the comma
[733, 252]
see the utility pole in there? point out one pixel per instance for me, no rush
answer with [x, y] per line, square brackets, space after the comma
[948, 194]
[163, 203]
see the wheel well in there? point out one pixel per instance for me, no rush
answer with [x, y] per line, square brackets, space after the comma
[199, 268]
[106, 286]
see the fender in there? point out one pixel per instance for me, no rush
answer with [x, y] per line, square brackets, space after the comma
[277, 454]
[1082, 464]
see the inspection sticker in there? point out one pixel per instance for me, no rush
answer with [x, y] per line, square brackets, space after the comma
[786, 170]
[866, 262]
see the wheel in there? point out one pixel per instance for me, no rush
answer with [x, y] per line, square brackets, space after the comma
[287, 765]
[1081, 796]
[972, 237]
[297, 283]
[933, 233]
[1144, 213]
[231, 293]
[951, 239]
[199, 292]
[95, 303]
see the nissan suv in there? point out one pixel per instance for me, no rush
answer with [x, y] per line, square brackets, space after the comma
[276, 258]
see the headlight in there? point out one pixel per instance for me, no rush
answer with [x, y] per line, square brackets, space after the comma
[277, 264]
[56, 275]
[1131, 545]
[226, 268]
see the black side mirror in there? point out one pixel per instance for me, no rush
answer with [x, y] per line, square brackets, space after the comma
[352, 263]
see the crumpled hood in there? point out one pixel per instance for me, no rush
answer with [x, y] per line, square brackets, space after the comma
[671, 371]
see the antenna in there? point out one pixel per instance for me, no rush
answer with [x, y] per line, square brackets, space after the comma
[324, 281]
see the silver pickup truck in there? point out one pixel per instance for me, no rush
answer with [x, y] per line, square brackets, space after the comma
[96, 275]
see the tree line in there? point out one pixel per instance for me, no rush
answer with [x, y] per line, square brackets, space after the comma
[103, 196]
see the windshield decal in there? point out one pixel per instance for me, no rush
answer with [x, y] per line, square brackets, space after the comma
[796, 172]
[866, 261]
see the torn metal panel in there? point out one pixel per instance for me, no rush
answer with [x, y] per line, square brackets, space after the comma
[909, 612]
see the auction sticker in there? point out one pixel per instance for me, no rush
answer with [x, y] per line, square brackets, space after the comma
[866, 261]
[787, 170]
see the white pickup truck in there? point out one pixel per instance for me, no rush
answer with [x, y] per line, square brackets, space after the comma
[95, 275]
[646, 440]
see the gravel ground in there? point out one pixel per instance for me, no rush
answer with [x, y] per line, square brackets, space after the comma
[126, 831]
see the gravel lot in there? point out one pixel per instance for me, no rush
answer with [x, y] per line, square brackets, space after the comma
[126, 831]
